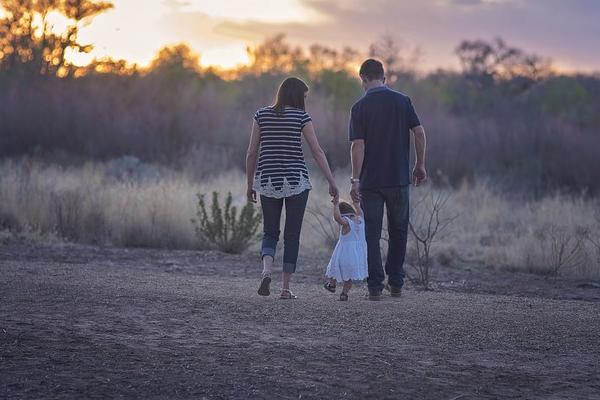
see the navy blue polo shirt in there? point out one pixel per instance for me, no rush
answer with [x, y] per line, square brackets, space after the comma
[384, 118]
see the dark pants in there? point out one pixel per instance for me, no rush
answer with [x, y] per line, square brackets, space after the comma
[294, 215]
[396, 202]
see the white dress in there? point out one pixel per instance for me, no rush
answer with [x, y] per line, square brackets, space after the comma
[349, 258]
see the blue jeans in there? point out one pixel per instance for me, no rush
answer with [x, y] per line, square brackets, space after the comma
[294, 215]
[396, 201]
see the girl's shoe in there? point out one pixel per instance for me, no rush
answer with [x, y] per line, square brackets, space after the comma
[286, 294]
[343, 296]
[329, 287]
[265, 284]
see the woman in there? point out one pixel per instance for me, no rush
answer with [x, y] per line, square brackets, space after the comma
[281, 177]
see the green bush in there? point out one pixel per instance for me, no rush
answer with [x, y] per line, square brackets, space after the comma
[223, 228]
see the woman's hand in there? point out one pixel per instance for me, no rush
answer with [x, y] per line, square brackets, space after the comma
[251, 194]
[333, 191]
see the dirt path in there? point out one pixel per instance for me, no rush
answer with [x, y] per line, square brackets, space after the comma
[85, 322]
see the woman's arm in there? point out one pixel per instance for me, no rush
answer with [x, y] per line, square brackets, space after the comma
[319, 155]
[251, 157]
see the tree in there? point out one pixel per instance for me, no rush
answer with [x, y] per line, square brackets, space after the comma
[276, 55]
[488, 62]
[108, 66]
[398, 65]
[30, 45]
[176, 61]
[325, 58]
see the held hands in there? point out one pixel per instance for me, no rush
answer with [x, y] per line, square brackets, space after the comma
[419, 174]
[334, 192]
[355, 193]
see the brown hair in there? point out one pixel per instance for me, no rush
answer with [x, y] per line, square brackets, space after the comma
[346, 208]
[371, 70]
[290, 93]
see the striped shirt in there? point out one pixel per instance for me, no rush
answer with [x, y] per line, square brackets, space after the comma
[281, 170]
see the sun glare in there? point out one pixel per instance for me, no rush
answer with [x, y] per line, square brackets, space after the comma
[159, 23]
[225, 57]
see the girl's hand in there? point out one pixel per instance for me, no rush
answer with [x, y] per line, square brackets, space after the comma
[251, 194]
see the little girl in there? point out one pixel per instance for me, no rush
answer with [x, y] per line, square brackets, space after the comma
[349, 259]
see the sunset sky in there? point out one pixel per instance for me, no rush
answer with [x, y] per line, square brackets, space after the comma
[565, 30]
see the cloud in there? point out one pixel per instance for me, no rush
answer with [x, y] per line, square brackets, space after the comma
[176, 5]
[197, 28]
[564, 31]
[477, 2]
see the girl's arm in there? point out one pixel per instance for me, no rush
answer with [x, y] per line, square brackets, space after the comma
[359, 210]
[319, 155]
[251, 157]
[337, 216]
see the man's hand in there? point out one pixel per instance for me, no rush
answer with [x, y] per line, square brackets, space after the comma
[419, 174]
[251, 194]
[355, 193]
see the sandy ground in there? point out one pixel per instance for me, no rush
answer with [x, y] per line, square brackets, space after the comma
[86, 322]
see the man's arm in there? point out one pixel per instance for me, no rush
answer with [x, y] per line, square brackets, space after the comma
[419, 171]
[357, 155]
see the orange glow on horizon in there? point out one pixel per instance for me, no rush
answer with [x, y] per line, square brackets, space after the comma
[220, 32]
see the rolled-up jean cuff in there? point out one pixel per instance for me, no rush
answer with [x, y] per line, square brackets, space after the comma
[289, 267]
[267, 251]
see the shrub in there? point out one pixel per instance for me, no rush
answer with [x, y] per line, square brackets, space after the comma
[594, 238]
[427, 222]
[223, 228]
[324, 226]
[563, 249]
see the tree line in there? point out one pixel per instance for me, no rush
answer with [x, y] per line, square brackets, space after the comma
[506, 115]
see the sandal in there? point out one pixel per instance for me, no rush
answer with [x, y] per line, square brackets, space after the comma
[329, 287]
[343, 296]
[264, 288]
[286, 294]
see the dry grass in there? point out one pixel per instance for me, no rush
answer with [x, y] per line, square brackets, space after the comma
[92, 204]
[513, 234]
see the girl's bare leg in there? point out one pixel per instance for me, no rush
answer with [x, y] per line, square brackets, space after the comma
[347, 287]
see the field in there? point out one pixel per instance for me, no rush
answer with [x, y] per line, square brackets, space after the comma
[87, 322]
[106, 291]
[119, 273]
[126, 203]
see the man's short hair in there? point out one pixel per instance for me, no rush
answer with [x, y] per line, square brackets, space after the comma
[371, 70]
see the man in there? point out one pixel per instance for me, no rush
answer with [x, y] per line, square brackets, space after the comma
[380, 125]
